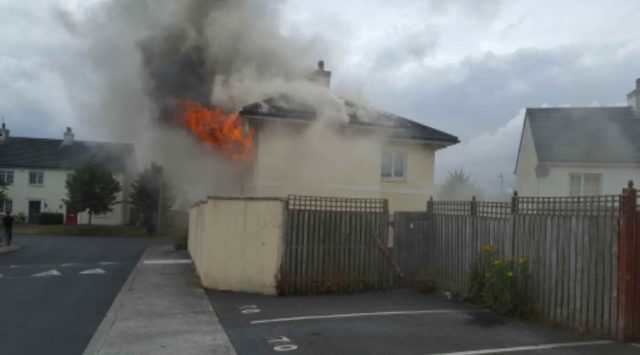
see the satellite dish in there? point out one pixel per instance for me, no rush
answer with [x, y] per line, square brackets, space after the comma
[542, 170]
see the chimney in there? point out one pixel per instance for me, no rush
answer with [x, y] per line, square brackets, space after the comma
[68, 137]
[321, 76]
[4, 133]
[633, 98]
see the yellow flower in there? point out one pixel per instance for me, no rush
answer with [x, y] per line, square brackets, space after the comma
[510, 273]
[487, 248]
[522, 260]
[497, 262]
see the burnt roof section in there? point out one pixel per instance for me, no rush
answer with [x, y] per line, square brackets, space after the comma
[42, 153]
[601, 135]
[284, 107]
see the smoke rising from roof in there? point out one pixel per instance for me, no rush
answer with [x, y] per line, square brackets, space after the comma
[145, 55]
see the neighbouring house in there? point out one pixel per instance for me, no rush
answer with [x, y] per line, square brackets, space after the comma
[374, 154]
[36, 169]
[579, 151]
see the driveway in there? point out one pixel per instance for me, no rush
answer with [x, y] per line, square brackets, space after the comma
[55, 291]
[394, 322]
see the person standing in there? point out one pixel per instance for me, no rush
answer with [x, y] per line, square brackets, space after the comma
[7, 222]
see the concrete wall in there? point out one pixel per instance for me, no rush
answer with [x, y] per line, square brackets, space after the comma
[52, 193]
[236, 243]
[526, 180]
[303, 160]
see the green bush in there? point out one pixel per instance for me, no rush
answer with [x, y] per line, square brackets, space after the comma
[501, 285]
[181, 241]
[49, 218]
[20, 218]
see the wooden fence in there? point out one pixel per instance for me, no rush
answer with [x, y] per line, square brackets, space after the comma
[335, 244]
[571, 245]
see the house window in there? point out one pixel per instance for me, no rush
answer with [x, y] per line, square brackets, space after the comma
[36, 178]
[6, 206]
[585, 184]
[394, 165]
[6, 176]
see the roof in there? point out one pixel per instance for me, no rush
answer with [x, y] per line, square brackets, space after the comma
[42, 153]
[596, 135]
[286, 108]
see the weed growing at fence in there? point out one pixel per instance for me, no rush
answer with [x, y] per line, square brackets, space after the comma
[499, 284]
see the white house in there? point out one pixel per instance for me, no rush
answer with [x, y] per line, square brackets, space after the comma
[579, 151]
[36, 169]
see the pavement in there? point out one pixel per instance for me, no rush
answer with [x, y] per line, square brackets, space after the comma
[8, 248]
[161, 309]
[392, 322]
[55, 291]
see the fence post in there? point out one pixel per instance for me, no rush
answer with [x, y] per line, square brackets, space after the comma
[626, 255]
[430, 206]
[474, 206]
[514, 213]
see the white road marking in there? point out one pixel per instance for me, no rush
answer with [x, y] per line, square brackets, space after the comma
[68, 264]
[47, 273]
[14, 266]
[167, 261]
[528, 348]
[107, 262]
[634, 344]
[93, 271]
[354, 315]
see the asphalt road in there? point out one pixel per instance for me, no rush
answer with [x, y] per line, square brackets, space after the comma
[395, 322]
[55, 291]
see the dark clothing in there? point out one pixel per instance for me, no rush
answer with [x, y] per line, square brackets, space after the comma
[7, 221]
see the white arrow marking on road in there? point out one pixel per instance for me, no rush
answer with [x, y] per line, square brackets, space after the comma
[47, 273]
[93, 271]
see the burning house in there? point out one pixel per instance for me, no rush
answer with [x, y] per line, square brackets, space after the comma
[287, 145]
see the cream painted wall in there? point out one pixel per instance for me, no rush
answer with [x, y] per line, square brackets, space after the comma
[556, 183]
[526, 180]
[613, 179]
[301, 159]
[236, 243]
[52, 193]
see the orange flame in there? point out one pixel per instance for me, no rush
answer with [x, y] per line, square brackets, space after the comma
[219, 130]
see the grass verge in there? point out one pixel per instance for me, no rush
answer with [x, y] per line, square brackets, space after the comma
[85, 230]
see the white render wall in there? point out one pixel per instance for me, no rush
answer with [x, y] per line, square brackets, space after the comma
[53, 192]
[614, 177]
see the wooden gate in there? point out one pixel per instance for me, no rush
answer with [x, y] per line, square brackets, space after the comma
[335, 244]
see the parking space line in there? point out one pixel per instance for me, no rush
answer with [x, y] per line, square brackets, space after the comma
[527, 348]
[354, 315]
[167, 261]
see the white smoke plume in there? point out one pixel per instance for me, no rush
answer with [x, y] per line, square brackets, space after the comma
[142, 55]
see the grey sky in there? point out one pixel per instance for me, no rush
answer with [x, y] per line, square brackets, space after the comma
[464, 66]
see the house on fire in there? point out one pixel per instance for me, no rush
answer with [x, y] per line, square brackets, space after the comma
[374, 154]
[579, 151]
[36, 169]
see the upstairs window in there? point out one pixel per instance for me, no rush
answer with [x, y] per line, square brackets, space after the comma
[585, 184]
[394, 165]
[6, 176]
[36, 178]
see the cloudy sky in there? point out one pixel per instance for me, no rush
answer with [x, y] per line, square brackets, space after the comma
[467, 67]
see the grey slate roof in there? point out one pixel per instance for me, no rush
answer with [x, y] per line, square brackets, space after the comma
[41, 153]
[283, 107]
[601, 135]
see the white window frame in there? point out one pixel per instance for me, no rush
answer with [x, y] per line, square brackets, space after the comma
[6, 173]
[582, 177]
[37, 183]
[396, 156]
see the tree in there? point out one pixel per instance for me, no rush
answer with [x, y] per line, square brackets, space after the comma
[458, 187]
[151, 189]
[92, 188]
